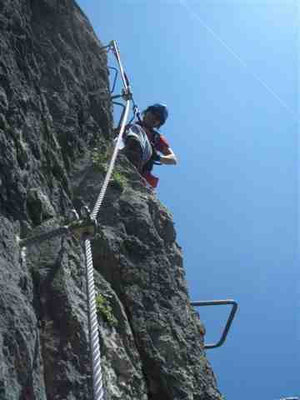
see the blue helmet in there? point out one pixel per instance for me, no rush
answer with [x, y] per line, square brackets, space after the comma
[161, 110]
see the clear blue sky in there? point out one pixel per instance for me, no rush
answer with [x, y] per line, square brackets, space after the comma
[228, 71]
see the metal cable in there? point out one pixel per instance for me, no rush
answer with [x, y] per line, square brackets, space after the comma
[98, 388]
[112, 164]
[93, 325]
[93, 322]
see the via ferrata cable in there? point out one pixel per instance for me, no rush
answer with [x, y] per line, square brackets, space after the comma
[98, 388]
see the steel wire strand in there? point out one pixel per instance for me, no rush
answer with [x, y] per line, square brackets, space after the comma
[93, 322]
[98, 389]
[111, 165]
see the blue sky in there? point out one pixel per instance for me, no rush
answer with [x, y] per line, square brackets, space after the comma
[228, 71]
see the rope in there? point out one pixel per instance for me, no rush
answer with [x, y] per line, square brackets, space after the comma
[98, 388]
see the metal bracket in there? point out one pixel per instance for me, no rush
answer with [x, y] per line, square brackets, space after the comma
[119, 104]
[126, 94]
[234, 308]
[84, 228]
[107, 47]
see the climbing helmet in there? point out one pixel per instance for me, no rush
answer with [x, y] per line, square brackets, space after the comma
[161, 110]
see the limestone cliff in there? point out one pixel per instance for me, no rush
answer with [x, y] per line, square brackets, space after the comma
[52, 117]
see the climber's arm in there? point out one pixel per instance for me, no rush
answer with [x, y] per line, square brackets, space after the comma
[168, 157]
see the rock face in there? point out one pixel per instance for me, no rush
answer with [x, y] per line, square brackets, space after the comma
[54, 111]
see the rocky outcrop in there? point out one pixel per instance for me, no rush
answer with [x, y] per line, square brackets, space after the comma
[54, 112]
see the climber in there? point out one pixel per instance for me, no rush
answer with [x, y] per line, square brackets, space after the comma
[145, 146]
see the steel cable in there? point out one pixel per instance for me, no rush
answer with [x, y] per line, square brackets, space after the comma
[112, 164]
[98, 388]
[92, 312]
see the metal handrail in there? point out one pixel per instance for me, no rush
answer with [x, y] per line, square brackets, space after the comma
[234, 308]
[124, 77]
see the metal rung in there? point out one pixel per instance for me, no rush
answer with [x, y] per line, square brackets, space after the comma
[234, 308]
[115, 78]
[290, 398]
